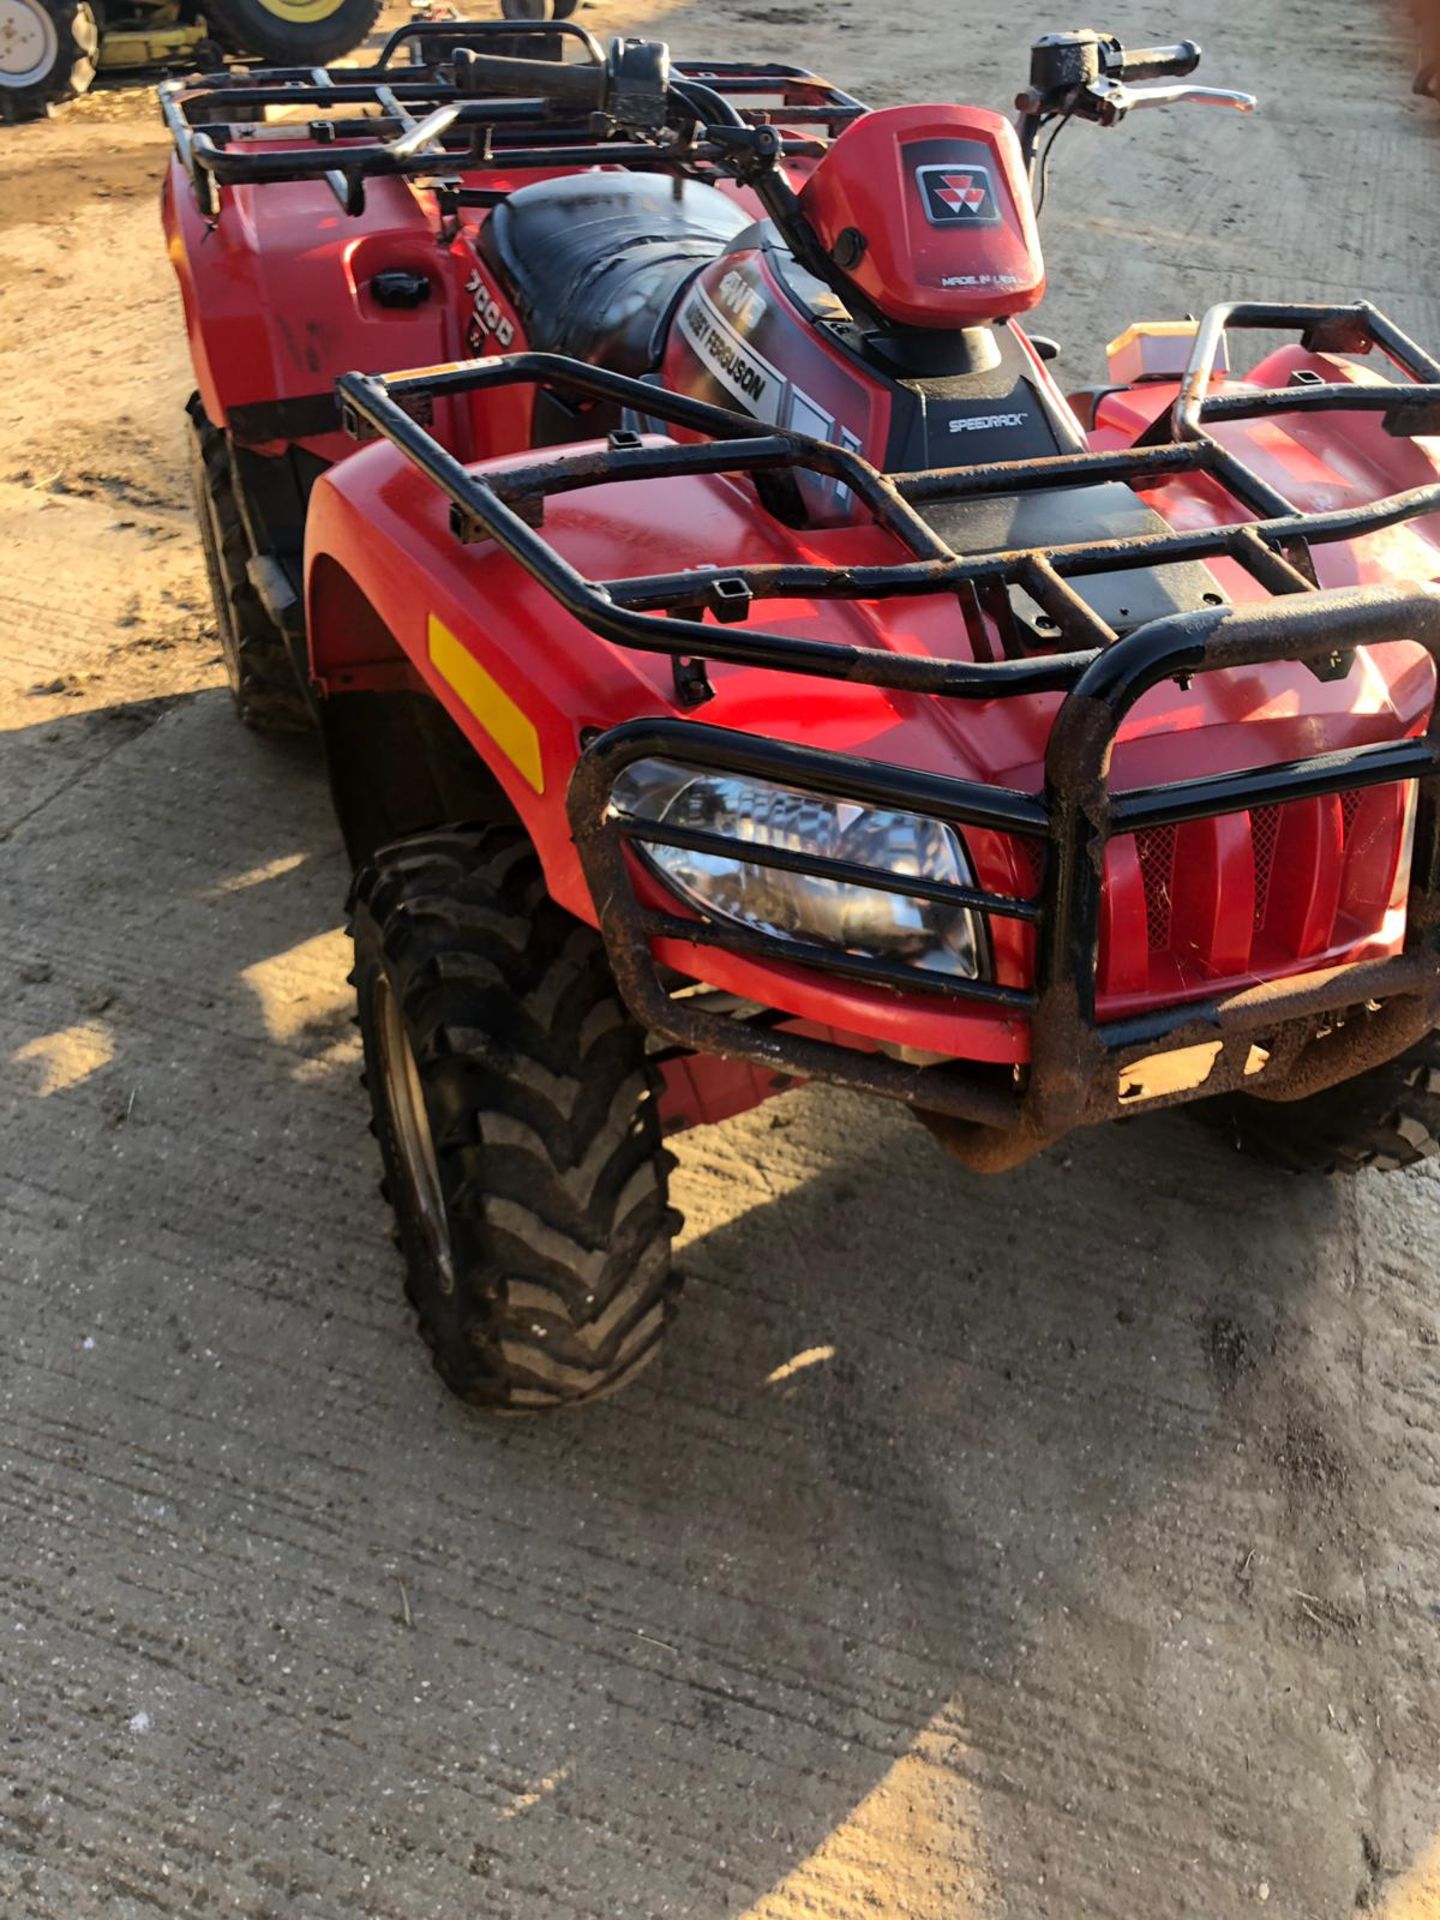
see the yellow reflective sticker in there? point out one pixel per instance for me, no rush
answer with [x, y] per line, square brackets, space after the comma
[508, 726]
[416, 373]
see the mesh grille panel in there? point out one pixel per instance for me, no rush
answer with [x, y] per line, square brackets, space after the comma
[1264, 833]
[1156, 848]
[1029, 864]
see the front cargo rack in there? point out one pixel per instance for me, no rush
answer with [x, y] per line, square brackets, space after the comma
[412, 119]
[1078, 1064]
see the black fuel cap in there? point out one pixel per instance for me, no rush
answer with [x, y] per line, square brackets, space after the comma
[401, 287]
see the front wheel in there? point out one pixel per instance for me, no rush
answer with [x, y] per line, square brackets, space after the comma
[1385, 1119]
[49, 50]
[518, 1120]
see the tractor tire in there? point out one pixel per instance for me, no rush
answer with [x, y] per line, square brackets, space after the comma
[538, 9]
[292, 33]
[518, 1119]
[258, 661]
[1383, 1120]
[49, 50]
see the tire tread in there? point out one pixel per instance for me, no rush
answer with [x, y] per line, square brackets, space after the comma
[544, 1115]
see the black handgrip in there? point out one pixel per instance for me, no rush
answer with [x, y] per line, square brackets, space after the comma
[574, 84]
[1157, 63]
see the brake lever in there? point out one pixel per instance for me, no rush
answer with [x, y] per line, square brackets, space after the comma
[1111, 100]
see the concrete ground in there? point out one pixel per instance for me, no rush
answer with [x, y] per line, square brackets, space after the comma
[1088, 1567]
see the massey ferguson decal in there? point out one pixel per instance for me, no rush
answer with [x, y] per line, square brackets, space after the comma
[957, 195]
[745, 374]
[487, 322]
[746, 377]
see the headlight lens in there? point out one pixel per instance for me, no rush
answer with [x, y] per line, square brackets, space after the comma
[801, 906]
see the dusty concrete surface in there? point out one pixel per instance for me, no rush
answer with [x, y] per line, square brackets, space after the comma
[1091, 1569]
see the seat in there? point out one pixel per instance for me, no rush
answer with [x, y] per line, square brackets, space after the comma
[594, 261]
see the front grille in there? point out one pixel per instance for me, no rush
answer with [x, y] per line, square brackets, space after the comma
[1322, 871]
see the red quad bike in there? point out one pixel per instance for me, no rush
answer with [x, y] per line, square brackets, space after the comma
[738, 661]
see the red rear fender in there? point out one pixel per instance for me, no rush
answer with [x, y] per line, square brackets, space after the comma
[278, 294]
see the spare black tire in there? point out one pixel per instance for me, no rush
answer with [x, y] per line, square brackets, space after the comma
[292, 33]
[49, 50]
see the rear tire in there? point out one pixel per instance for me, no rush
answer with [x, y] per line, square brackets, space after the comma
[258, 661]
[292, 33]
[518, 1120]
[1385, 1119]
[49, 50]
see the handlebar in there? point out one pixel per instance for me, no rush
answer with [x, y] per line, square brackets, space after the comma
[1153, 63]
[1064, 65]
[632, 88]
[1090, 76]
[571, 83]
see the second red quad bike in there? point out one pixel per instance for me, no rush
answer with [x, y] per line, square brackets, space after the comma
[738, 661]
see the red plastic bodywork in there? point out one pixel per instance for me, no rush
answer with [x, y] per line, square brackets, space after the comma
[388, 528]
[1221, 901]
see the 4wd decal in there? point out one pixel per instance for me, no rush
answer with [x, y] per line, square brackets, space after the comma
[743, 299]
[487, 321]
[957, 195]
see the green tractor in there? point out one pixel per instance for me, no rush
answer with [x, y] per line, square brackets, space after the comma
[51, 50]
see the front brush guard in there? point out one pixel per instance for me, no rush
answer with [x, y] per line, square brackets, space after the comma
[1279, 1040]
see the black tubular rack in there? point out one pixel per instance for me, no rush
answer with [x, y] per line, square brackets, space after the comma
[1077, 1064]
[412, 120]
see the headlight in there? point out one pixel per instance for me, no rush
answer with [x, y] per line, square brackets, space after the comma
[803, 906]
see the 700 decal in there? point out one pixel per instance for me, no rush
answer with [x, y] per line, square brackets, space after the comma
[487, 322]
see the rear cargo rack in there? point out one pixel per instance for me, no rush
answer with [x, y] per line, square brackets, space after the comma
[1077, 1062]
[411, 119]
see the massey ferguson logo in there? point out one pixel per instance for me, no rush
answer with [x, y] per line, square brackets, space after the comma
[957, 195]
